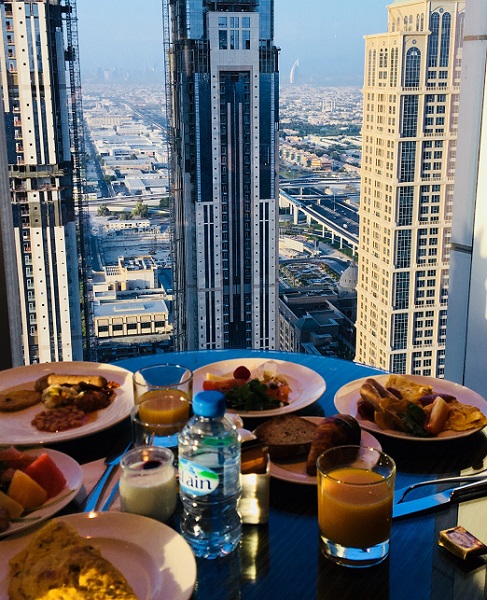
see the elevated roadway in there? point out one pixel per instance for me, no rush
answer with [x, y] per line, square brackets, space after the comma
[337, 218]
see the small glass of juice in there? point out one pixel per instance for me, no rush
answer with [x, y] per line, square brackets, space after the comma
[355, 497]
[163, 395]
[148, 482]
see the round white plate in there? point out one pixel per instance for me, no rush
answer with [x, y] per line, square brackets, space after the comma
[156, 561]
[294, 470]
[347, 397]
[74, 479]
[306, 385]
[16, 426]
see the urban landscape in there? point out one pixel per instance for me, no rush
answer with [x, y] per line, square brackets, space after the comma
[243, 299]
[127, 164]
[324, 240]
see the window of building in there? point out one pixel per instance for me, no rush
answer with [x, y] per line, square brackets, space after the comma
[223, 41]
[413, 68]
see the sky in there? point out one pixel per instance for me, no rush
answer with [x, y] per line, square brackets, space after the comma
[326, 36]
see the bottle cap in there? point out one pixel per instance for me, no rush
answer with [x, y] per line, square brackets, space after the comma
[209, 404]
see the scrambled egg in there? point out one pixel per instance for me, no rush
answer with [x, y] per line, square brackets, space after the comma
[59, 564]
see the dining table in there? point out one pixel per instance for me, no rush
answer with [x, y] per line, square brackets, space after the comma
[282, 558]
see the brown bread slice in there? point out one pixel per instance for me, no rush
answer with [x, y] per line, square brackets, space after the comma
[286, 435]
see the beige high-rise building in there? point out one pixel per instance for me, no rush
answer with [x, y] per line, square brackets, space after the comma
[411, 100]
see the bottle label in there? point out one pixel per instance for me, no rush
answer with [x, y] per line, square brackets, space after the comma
[196, 479]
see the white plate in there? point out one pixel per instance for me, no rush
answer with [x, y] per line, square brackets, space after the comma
[16, 426]
[306, 385]
[74, 479]
[347, 397]
[294, 470]
[156, 561]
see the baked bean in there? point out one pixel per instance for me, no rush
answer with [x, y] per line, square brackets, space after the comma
[59, 419]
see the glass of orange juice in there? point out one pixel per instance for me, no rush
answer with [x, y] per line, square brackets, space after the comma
[355, 496]
[163, 395]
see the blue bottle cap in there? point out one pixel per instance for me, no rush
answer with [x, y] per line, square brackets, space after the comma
[209, 404]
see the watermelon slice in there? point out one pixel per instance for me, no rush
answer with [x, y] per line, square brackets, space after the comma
[45, 472]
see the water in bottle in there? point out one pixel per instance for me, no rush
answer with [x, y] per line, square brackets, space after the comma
[209, 472]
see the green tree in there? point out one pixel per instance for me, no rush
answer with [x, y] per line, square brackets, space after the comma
[140, 210]
[103, 210]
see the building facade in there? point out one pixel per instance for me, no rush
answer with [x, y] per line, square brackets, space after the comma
[411, 102]
[467, 304]
[222, 82]
[34, 74]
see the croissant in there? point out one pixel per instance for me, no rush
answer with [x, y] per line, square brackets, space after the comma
[338, 430]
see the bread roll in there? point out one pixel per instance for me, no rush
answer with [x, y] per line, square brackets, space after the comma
[339, 430]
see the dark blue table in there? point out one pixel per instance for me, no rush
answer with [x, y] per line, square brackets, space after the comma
[282, 559]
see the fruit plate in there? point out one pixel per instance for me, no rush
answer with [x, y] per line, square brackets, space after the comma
[347, 397]
[294, 470]
[73, 474]
[156, 561]
[307, 386]
[17, 428]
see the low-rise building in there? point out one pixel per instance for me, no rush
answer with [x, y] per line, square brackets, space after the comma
[320, 321]
[140, 316]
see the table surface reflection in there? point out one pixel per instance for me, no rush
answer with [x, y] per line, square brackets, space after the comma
[282, 559]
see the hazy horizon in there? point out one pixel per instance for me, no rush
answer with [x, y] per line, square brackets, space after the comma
[325, 36]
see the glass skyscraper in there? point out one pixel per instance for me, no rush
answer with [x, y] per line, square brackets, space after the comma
[222, 87]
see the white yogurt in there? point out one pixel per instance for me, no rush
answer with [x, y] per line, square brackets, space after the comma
[148, 483]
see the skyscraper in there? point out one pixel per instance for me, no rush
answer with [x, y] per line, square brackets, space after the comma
[411, 101]
[222, 85]
[36, 59]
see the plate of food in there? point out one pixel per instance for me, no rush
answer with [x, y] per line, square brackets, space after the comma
[261, 387]
[413, 407]
[296, 442]
[133, 555]
[54, 402]
[36, 484]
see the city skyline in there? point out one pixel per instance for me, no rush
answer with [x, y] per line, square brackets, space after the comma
[322, 35]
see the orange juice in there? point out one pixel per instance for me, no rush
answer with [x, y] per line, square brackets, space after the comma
[166, 407]
[354, 507]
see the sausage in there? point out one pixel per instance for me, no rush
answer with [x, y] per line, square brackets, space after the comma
[71, 380]
[370, 395]
[381, 390]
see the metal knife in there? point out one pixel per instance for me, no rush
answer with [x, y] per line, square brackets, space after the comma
[469, 491]
[111, 462]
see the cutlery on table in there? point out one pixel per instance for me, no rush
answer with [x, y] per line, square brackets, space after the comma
[111, 462]
[400, 494]
[469, 491]
[111, 497]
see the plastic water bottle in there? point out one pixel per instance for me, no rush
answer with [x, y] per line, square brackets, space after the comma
[209, 478]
